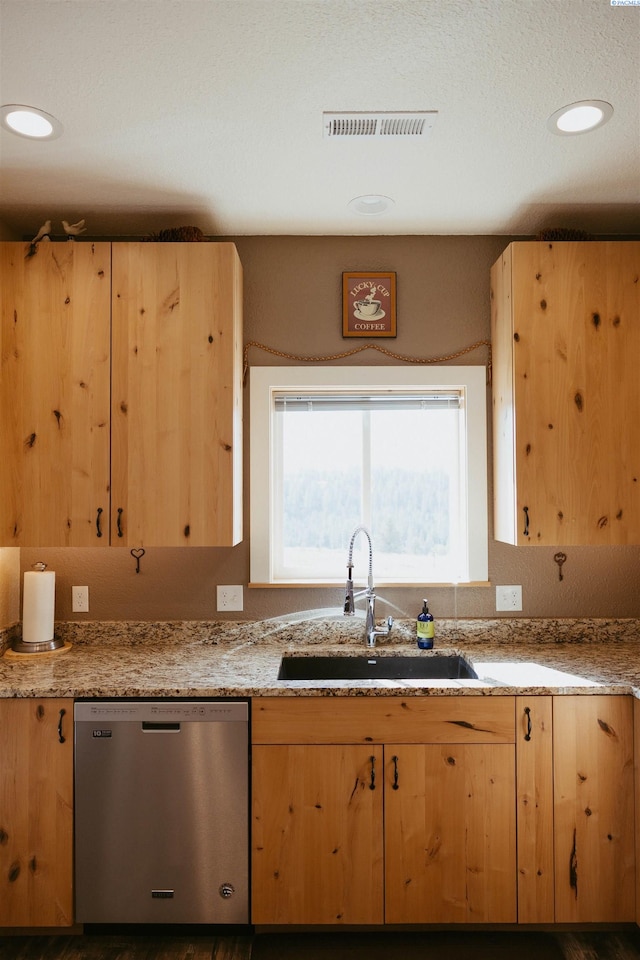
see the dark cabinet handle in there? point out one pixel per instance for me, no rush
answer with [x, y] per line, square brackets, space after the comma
[395, 785]
[527, 735]
[99, 522]
[525, 532]
[119, 522]
[61, 736]
[372, 781]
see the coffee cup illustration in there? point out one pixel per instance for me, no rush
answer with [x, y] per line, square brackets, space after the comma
[367, 308]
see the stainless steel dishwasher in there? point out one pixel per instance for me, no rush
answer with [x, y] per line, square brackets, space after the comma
[161, 811]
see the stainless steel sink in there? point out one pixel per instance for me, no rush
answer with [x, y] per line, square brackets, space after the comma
[429, 667]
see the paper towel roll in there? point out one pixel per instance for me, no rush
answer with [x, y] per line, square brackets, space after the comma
[38, 605]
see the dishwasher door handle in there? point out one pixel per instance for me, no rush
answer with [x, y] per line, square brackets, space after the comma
[160, 726]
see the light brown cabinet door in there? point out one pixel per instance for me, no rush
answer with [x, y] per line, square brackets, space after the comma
[566, 394]
[317, 835]
[450, 833]
[54, 394]
[594, 809]
[636, 741]
[176, 395]
[534, 787]
[36, 813]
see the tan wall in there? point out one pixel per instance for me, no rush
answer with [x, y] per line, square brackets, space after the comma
[293, 304]
[9, 586]
[6, 233]
[9, 556]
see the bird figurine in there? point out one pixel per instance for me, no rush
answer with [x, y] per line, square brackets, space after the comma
[73, 229]
[43, 232]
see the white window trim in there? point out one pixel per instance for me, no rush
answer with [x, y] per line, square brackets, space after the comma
[264, 381]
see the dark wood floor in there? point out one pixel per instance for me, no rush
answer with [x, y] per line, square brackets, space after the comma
[600, 946]
[126, 947]
[440, 946]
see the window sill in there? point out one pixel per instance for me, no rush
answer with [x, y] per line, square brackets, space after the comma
[387, 584]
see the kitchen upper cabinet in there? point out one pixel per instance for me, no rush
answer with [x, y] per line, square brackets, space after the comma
[177, 395]
[565, 320]
[54, 394]
[443, 771]
[594, 809]
[36, 813]
[121, 391]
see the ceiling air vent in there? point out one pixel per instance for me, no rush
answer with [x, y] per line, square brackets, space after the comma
[408, 125]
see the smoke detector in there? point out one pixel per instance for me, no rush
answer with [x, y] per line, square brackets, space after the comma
[404, 125]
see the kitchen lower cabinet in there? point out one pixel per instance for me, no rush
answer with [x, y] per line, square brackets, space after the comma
[575, 809]
[594, 809]
[317, 834]
[636, 741]
[362, 821]
[450, 833]
[534, 808]
[36, 813]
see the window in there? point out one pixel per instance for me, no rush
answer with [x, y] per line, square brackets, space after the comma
[402, 451]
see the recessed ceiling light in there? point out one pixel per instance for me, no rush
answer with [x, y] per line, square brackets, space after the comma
[370, 205]
[580, 117]
[30, 122]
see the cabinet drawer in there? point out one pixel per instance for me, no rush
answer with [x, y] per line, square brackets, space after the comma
[460, 719]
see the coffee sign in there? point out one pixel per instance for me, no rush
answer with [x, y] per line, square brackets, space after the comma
[368, 304]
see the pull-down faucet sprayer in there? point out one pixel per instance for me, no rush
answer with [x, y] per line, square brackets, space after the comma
[371, 632]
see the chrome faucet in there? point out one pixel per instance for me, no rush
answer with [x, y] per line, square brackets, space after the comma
[371, 632]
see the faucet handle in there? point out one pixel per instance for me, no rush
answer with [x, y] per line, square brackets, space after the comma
[384, 631]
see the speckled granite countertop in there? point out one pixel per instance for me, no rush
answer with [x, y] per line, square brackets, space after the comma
[241, 659]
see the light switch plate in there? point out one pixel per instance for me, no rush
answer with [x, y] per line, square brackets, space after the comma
[509, 598]
[230, 597]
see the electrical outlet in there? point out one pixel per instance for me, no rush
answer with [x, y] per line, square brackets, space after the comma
[230, 598]
[80, 599]
[509, 598]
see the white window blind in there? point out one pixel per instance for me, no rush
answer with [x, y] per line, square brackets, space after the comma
[323, 402]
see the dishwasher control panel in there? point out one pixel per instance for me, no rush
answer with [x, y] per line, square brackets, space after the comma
[172, 711]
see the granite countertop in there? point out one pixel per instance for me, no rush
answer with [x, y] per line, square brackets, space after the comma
[241, 659]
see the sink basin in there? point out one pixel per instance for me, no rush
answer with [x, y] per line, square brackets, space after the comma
[430, 667]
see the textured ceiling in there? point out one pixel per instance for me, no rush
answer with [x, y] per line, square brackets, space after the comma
[209, 112]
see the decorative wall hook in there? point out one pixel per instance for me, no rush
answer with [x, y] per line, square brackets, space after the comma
[560, 559]
[137, 554]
